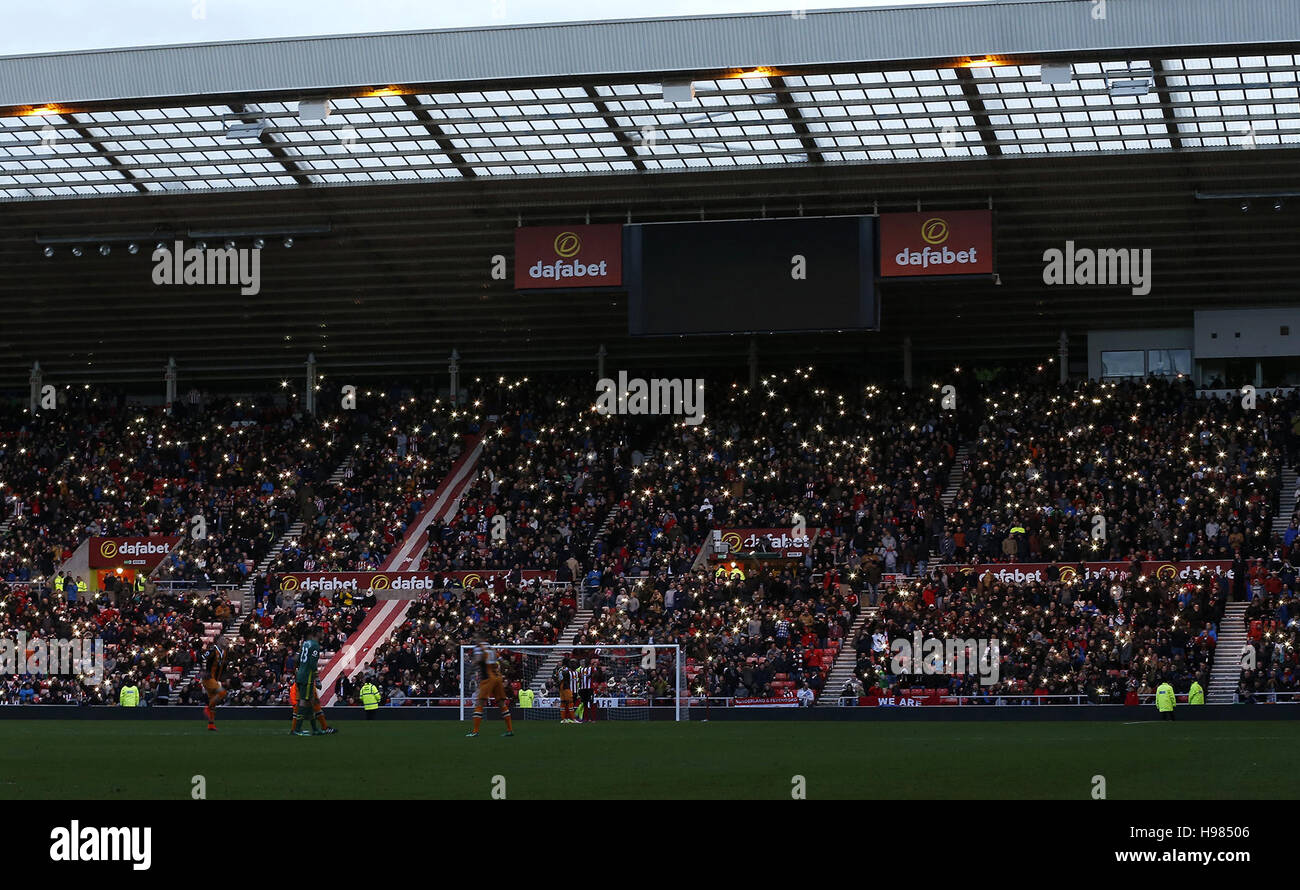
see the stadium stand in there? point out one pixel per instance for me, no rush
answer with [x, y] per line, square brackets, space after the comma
[866, 471]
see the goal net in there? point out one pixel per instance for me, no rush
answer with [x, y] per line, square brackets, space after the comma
[626, 682]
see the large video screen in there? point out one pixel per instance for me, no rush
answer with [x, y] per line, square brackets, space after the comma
[801, 274]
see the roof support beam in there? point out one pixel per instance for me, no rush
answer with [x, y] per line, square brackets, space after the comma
[797, 121]
[970, 91]
[275, 149]
[444, 143]
[619, 136]
[1162, 91]
[104, 153]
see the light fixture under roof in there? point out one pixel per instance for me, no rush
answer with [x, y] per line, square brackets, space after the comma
[246, 130]
[1132, 81]
[678, 91]
[1055, 72]
[314, 109]
[1129, 87]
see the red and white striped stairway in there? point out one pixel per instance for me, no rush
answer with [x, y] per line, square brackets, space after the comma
[387, 615]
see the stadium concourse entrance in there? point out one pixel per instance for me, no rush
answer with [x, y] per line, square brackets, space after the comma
[123, 576]
[743, 566]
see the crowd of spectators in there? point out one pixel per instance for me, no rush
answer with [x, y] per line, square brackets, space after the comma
[1099, 471]
[408, 446]
[141, 634]
[422, 660]
[241, 465]
[767, 635]
[1274, 635]
[622, 505]
[1100, 638]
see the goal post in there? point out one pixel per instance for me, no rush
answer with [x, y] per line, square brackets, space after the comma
[640, 682]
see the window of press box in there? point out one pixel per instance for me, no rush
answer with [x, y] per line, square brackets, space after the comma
[1169, 362]
[1125, 363]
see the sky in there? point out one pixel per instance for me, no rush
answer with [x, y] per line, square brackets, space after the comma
[31, 26]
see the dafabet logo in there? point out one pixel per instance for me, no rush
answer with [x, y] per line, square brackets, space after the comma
[568, 256]
[949, 242]
[934, 231]
[567, 245]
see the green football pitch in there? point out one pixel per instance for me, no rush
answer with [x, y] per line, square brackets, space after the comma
[157, 759]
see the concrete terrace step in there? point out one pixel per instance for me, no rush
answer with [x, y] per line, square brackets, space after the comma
[341, 474]
[846, 660]
[566, 637]
[955, 477]
[1226, 672]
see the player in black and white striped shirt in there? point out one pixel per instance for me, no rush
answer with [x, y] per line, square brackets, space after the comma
[584, 689]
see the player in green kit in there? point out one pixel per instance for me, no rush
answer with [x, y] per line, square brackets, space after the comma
[305, 692]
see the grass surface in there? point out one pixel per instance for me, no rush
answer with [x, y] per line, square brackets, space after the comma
[155, 759]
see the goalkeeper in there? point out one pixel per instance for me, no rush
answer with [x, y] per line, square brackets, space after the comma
[306, 701]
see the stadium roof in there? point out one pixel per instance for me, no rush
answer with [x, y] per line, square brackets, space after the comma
[944, 82]
[441, 143]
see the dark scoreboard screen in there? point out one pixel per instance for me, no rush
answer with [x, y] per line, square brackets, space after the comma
[800, 274]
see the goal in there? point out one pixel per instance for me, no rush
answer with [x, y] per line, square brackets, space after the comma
[628, 682]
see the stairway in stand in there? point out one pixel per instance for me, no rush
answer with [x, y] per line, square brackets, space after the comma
[581, 582]
[955, 476]
[212, 630]
[846, 661]
[246, 593]
[567, 637]
[1287, 502]
[580, 618]
[1226, 673]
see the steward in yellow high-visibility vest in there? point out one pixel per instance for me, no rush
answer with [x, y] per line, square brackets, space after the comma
[82, 586]
[370, 699]
[129, 697]
[1165, 700]
[526, 698]
[1196, 695]
[58, 584]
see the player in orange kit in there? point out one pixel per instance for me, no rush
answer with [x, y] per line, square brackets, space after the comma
[490, 686]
